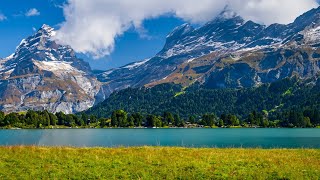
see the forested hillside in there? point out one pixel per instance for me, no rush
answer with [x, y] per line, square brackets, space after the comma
[287, 103]
[274, 99]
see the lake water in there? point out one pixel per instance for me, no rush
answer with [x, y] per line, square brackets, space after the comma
[264, 138]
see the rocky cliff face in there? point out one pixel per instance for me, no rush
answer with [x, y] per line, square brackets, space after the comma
[42, 74]
[228, 52]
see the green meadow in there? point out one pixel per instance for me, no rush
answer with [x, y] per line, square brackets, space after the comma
[157, 163]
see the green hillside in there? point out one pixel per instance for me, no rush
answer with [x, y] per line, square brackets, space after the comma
[274, 99]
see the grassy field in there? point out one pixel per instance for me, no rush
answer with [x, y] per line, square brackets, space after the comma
[157, 163]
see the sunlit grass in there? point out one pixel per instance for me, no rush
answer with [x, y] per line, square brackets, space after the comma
[157, 163]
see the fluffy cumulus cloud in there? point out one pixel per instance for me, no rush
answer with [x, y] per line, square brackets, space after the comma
[2, 17]
[32, 12]
[91, 26]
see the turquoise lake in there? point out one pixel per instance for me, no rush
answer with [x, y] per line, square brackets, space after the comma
[223, 138]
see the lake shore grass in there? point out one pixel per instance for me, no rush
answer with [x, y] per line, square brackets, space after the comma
[21, 162]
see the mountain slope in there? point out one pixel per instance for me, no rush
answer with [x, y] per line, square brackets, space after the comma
[42, 74]
[227, 52]
[274, 99]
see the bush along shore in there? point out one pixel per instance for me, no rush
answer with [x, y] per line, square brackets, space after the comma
[43, 119]
[157, 163]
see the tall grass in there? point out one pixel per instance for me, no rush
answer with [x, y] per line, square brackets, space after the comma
[157, 163]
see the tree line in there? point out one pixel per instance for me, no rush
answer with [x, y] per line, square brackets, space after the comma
[119, 118]
[294, 118]
[41, 119]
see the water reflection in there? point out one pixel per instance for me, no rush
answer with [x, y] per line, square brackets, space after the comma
[265, 138]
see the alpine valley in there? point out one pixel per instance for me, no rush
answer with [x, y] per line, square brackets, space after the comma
[226, 55]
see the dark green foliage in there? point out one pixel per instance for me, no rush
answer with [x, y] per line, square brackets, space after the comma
[229, 120]
[153, 121]
[2, 117]
[292, 118]
[103, 122]
[150, 121]
[269, 100]
[53, 119]
[209, 120]
[220, 123]
[144, 100]
[85, 118]
[119, 119]
[137, 119]
[61, 118]
[11, 119]
[168, 118]
[177, 120]
[40, 119]
[298, 118]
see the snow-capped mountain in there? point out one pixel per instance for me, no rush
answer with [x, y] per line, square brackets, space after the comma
[42, 74]
[227, 52]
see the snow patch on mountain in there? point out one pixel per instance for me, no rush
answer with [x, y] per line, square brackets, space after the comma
[312, 35]
[56, 66]
[3, 62]
[136, 64]
[9, 57]
[190, 60]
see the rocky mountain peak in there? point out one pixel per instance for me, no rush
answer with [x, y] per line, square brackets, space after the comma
[312, 16]
[223, 32]
[39, 41]
[182, 30]
[41, 47]
[47, 30]
[43, 74]
[179, 33]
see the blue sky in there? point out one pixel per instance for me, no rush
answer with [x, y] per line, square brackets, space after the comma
[129, 47]
[118, 37]
[17, 26]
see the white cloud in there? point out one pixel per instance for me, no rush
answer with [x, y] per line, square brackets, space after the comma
[32, 12]
[2, 17]
[91, 26]
[272, 11]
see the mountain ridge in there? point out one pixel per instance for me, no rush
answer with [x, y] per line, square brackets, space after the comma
[201, 54]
